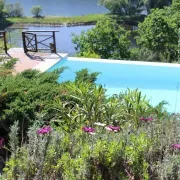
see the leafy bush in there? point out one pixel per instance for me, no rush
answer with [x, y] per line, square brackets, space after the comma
[24, 95]
[159, 34]
[36, 11]
[107, 40]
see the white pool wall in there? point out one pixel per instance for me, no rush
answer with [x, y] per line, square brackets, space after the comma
[124, 62]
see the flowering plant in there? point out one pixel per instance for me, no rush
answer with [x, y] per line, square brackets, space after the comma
[44, 130]
[113, 128]
[89, 130]
[175, 146]
[146, 119]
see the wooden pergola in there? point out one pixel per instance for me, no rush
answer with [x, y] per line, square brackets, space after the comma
[31, 42]
[3, 36]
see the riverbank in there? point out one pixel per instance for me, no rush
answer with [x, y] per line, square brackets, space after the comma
[90, 19]
[59, 21]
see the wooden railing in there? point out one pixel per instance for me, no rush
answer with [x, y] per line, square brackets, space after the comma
[31, 42]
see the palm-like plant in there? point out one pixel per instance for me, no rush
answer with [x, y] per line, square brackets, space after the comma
[84, 101]
[135, 105]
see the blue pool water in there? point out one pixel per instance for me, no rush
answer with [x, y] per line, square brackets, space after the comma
[158, 83]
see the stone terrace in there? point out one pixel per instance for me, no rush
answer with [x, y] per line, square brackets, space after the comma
[39, 61]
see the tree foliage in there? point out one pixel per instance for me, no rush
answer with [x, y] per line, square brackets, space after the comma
[153, 4]
[107, 39]
[14, 10]
[2, 10]
[133, 7]
[36, 11]
[123, 7]
[159, 33]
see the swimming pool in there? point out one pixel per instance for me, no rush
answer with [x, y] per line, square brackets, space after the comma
[158, 81]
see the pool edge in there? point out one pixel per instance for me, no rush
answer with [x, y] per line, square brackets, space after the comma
[50, 62]
[124, 62]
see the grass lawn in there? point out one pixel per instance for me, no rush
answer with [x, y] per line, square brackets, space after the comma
[73, 20]
[58, 19]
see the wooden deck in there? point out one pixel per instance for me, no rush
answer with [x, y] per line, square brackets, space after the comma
[40, 61]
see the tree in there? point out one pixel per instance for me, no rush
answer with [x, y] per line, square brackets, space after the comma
[159, 33]
[107, 39]
[14, 10]
[175, 6]
[179, 47]
[153, 4]
[2, 4]
[36, 11]
[133, 7]
[143, 54]
[123, 7]
[175, 11]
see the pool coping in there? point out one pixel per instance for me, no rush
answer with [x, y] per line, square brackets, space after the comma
[54, 59]
[124, 62]
[50, 62]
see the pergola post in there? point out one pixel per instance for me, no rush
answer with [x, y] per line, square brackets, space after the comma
[24, 42]
[54, 41]
[31, 42]
[3, 35]
[5, 44]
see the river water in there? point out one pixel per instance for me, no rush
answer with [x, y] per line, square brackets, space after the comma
[63, 37]
[62, 7]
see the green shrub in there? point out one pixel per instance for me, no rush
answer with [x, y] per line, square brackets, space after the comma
[107, 40]
[24, 95]
[10, 64]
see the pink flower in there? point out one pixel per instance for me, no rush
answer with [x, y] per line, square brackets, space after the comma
[1, 142]
[146, 119]
[175, 146]
[113, 128]
[44, 130]
[89, 130]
